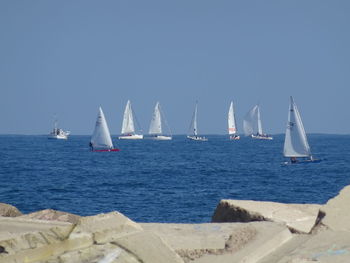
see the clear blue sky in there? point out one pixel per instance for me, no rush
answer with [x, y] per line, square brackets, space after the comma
[68, 57]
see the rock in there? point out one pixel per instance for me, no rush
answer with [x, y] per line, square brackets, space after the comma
[251, 243]
[53, 215]
[298, 217]
[210, 236]
[325, 247]
[148, 248]
[106, 227]
[10, 227]
[337, 212]
[28, 240]
[9, 210]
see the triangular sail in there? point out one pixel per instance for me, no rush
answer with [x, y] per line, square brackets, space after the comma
[260, 131]
[231, 120]
[193, 126]
[128, 120]
[249, 121]
[295, 143]
[101, 137]
[156, 122]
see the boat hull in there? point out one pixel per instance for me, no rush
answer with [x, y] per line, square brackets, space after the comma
[106, 150]
[131, 137]
[58, 137]
[161, 138]
[235, 138]
[261, 137]
[197, 138]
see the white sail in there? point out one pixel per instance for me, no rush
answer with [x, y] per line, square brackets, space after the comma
[101, 138]
[249, 121]
[128, 120]
[295, 142]
[156, 122]
[260, 131]
[193, 126]
[231, 120]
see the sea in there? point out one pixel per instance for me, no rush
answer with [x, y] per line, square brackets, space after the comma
[178, 181]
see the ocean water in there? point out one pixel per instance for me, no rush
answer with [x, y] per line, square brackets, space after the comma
[165, 181]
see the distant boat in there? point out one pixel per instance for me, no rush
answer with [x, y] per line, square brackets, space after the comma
[128, 127]
[156, 129]
[101, 140]
[194, 127]
[232, 126]
[252, 125]
[58, 133]
[295, 142]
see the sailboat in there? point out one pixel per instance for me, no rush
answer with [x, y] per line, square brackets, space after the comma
[58, 133]
[252, 125]
[101, 140]
[232, 130]
[155, 129]
[128, 127]
[295, 142]
[194, 127]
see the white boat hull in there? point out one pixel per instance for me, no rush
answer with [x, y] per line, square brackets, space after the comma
[235, 137]
[262, 137]
[161, 138]
[131, 137]
[58, 137]
[197, 138]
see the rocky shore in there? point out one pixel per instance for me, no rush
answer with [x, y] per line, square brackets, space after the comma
[241, 231]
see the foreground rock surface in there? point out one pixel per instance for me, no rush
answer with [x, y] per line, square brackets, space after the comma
[298, 217]
[50, 236]
[337, 215]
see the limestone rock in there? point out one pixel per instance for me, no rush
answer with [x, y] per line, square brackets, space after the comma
[9, 210]
[298, 217]
[107, 253]
[53, 215]
[325, 247]
[337, 212]
[148, 248]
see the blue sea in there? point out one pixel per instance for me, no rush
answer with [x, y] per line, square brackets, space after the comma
[178, 181]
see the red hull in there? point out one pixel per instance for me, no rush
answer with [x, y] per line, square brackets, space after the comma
[107, 150]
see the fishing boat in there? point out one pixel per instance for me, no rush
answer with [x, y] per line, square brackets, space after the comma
[231, 120]
[58, 133]
[155, 128]
[101, 140]
[194, 127]
[295, 141]
[252, 125]
[128, 127]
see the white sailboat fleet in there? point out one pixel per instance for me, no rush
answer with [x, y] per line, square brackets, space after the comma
[232, 126]
[252, 125]
[295, 142]
[194, 127]
[58, 133]
[156, 127]
[128, 127]
[101, 140]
